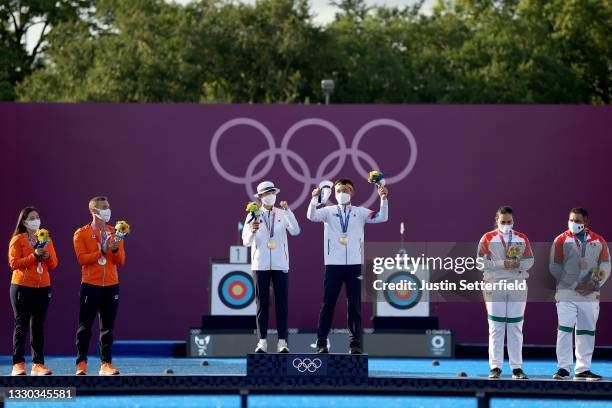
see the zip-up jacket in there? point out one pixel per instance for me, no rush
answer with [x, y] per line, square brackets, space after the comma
[493, 248]
[351, 253]
[24, 263]
[264, 258]
[88, 253]
[565, 257]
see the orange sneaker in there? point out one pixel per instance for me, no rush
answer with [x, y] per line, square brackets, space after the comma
[81, 368]
[40, 369]
[18, 369]
[108, 369]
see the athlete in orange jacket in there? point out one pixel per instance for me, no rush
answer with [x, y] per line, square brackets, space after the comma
[30, 290]
[99, 254]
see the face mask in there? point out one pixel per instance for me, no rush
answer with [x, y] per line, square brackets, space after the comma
[269, 199]
[575, 227]
[104, 215]
[33, 225]
[343, 198]
[505, 228]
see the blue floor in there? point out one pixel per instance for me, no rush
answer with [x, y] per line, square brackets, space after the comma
[237, 366]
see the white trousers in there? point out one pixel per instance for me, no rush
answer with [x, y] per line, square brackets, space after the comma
[506, 312]
[582, 315]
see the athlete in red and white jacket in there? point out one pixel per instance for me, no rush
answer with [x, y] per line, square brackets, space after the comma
[507, 256]
[580, 263]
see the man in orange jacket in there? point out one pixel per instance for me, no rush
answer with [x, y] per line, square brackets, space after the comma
[99, 254]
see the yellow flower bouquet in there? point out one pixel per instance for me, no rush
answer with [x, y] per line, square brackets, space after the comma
[254, 209]
[376, 177]
[122, 230]
[513, 252]
[42, 238]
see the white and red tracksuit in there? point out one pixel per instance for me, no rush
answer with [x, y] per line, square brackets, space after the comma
[574, 309]
[505, 308]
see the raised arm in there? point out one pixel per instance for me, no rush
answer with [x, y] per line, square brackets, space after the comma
[248, 236]
[292, 225]
[314, 214]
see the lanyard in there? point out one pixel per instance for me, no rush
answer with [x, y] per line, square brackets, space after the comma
[32, 242]
[103, 235]
[344, 222]
[581, 248]
[501, 237]
[270, 222]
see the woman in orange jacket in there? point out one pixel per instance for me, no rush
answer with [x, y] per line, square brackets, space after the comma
[30, 260]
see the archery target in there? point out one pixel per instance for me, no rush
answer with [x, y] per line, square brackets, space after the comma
[405, 301]
[232, 290]
[404, 298]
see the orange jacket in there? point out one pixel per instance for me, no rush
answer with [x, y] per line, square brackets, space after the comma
[24, 263]
[88, 253]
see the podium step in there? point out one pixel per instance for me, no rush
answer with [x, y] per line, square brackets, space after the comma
[307, 365]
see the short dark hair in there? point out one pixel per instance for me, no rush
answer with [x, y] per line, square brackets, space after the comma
[504, 209]
[580, 210]
[344, 182]
[94, 200]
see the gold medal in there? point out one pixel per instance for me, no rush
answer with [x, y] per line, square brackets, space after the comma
[271, 244]
[343, 240]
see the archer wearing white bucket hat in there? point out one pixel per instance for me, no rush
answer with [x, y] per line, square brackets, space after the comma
[270, 261]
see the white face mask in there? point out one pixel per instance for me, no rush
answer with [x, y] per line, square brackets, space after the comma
[104, 215]
[575, 227]
[343, 198]
[505, 228]
[269, 199]
[33, 225]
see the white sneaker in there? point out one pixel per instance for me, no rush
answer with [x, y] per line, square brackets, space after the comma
[282, 346]
[262, 346]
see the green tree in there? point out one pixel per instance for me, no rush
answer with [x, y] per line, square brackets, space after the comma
[20, 19]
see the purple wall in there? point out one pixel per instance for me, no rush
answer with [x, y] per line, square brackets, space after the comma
[153, 162]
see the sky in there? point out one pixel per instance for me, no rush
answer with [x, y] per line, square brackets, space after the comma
[322, 11]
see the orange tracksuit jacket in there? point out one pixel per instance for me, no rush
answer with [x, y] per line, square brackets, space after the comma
[24, 263]
[88, 253]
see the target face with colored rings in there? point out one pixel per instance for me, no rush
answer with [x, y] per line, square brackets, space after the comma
[236, 290]
[403, 299]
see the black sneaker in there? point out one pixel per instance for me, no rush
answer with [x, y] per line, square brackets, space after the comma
[518, 374]
[586, 376]
[323, 350]
[561, 374]
[495, 373]
[355, 350]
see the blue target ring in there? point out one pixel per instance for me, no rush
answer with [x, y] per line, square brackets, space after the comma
[403, 299]
[236, 290]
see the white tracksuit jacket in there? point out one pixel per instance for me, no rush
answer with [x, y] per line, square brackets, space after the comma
[335, 252]
[262, 257]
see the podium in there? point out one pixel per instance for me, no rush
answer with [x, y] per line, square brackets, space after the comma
[291, 365]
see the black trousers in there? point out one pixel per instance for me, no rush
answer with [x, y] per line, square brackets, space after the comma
[279, 281]
[29, 311]
[335, 277]
[102, 301]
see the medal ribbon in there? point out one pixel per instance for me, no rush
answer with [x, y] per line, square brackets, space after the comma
[101, 240]
[344, 222]
[581, 248]
[501, 237]
[270, 223]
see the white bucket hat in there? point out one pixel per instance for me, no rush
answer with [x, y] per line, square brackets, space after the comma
[265, 187]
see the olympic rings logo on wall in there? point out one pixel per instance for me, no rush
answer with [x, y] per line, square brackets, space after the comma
[304, 174]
